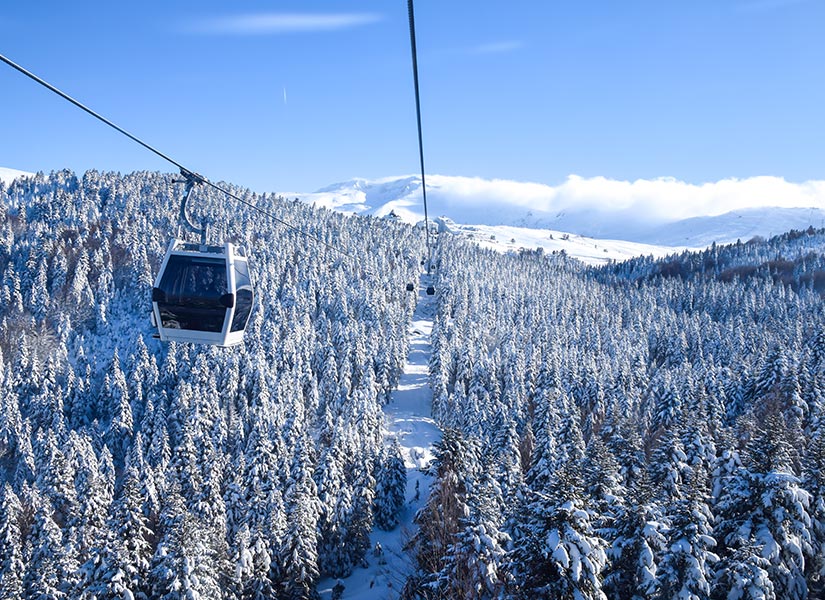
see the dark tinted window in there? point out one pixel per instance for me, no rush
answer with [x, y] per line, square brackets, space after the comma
[243, 296]
[193, 287]
[243, 306]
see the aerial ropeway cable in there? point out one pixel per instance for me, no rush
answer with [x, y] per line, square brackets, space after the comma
[187, 174]
[203, 293]
[411, 11]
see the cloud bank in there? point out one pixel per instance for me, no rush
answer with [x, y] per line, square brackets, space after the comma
[652, 200]
[663, 211]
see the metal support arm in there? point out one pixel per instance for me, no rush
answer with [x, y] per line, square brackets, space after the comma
[191, 180]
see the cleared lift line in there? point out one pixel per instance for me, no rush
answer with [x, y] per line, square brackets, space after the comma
[407, 418]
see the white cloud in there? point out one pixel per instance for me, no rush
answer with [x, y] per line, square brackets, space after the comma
[668, 198]
[280, 23]
[652, 200]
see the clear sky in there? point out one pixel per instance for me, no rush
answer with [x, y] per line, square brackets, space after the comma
[296, 95]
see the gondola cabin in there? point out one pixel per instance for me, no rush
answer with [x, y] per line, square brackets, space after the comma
[202, 294]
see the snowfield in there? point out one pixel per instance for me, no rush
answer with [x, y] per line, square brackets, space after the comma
[8, 175]
[505, 238]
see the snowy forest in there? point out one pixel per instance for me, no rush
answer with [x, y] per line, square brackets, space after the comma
[644, 430]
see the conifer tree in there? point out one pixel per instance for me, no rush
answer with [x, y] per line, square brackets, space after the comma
[299, 553]
[814, 484]
[454, 470]
[685, 567]
[50, 572]
[131, 526]
[11, 545]
[556, 552]
[637, 541]
[390, 487]
[336, 503]
[764, 508]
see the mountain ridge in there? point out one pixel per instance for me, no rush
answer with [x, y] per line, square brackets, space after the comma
[541, 212]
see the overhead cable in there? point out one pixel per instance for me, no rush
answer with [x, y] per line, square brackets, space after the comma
[186, 173]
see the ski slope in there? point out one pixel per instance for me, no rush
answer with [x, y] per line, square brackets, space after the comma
[407, 418]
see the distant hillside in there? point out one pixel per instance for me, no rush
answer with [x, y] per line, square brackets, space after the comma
[793, 259]
[9, 175]
[659, 212]
[595, 220]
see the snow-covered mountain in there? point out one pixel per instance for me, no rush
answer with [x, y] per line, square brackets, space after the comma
[611, 219]
[8, 175]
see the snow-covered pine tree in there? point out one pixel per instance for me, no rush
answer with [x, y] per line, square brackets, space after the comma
[814, 483]
[637, 541]
[336, 500]
[556, 552]
[184, 564]
[50, 571]
[390, 487]
[454, 470]
[299, 551]
[11, 545]
[685, 569]
[763, 507]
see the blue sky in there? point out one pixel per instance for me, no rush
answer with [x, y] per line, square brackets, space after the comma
[293, 96]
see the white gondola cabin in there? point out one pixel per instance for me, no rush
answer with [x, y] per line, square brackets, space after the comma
[202, 294]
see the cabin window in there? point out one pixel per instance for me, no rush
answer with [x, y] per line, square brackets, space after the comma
[243, 296]
[193, 287]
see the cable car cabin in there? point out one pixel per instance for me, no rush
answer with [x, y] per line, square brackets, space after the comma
[203, 294]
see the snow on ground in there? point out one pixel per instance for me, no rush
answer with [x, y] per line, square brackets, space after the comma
[592, 251]
[406, 417]
[8, 175]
